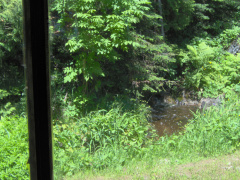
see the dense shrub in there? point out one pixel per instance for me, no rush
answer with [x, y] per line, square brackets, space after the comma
[211, 132]
[13, 148]
[208, 66]
[100, 139]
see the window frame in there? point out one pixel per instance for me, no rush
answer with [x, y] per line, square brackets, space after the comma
[37, 73]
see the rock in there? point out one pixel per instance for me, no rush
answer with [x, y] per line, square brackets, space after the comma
[187, 102]
[234, 47]
[184, 100]
[168, 99]
[173, 116]
[207, 102]
[193, 102]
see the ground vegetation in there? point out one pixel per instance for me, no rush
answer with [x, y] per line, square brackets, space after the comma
[108, 58]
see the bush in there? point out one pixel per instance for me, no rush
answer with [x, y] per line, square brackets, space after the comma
[211, 132]
[208, 66]
[14, 148]
[100, 139]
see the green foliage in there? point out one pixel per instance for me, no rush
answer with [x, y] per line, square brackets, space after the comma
[207, 18]
[178, 13]
[201, 56]
[99, 28]
[113, 138]
[150, 63]
[102, 33]
[14, 148]
[227, 37]
[6, 109]
[100, 139]
[211, 132]
[208, 66]
[11, 74]
[104, 48]
[10, 27]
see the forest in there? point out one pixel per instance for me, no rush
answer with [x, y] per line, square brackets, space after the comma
[109, 59]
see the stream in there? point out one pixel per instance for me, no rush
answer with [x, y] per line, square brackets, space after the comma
[171, 119]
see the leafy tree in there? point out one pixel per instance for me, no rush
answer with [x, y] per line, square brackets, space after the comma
[11, 71]
[101, 33]
[11, 30]
[178, 13]
[214, 16]
[97, 29]
[208, 65]
[200, 18]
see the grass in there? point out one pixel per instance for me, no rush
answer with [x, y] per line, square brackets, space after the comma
[221, 167]
[188, 155]
[101, 139]
[13, 148]
[118, 144]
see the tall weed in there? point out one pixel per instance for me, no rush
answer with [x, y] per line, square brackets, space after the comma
[14, 148]
[113, 138]
[100, 139]
[211, 132]
[208, 66]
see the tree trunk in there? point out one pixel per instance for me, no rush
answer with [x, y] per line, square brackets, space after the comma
[160, 10]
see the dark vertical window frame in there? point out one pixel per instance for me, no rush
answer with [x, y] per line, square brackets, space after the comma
[36, 57]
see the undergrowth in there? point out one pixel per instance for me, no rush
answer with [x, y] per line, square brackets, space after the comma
[100, 139]
[213, 131]
[13, 148]
[118, 137]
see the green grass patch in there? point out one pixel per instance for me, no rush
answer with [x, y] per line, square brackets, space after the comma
[222, 167]
[100, 140]
[211, 133]
[13, 148]
[119, 143]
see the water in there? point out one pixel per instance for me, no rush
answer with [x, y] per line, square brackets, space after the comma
[171, 119]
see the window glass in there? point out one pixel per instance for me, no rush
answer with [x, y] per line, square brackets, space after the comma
[13, 122]
[142, 83]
